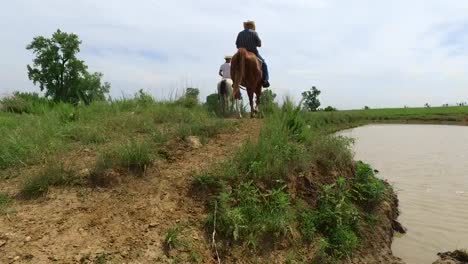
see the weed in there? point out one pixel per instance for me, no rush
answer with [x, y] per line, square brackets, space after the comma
[172, 239]
[205, 182]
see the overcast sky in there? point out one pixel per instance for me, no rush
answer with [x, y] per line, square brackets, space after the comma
[361, 52]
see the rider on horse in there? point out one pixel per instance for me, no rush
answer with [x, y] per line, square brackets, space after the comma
[225, 69]
[249, 39]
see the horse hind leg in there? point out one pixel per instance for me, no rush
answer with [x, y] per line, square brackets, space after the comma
[251, 102]
[258, 95]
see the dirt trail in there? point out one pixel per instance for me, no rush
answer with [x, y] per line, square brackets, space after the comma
[126, 223]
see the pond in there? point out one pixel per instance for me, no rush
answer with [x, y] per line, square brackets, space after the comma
[428, 167]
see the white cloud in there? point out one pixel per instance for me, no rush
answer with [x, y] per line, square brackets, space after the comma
[376, 53]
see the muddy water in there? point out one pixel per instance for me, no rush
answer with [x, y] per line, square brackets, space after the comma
[428, 166]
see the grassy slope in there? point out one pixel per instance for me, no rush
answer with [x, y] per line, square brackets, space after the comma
[129, 134]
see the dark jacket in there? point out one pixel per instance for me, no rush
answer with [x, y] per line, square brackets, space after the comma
[249, 40]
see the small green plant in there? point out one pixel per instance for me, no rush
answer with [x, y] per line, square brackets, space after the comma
[205, 182]
[172, 239]
[195, 257]
[101, 258]
[52, 175]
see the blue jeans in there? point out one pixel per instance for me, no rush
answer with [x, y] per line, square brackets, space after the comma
[266, 76]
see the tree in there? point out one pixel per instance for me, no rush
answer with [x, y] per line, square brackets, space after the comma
[267, 102]
[212, 103]
[60, 73]
[330, 109]
[190, 97]
[192, 93]
[311, 101]
[366, 107]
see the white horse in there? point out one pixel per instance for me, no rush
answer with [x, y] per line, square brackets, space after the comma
[225, 98]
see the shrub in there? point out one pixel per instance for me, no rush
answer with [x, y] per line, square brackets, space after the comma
[368, 190]
[334, 207]
[337, 218]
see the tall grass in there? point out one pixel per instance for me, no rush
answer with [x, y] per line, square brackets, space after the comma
[44, 129]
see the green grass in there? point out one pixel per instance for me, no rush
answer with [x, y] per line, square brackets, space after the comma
[333, 121]
[52, 175]
[173, 239]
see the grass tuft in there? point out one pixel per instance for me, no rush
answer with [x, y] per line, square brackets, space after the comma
[52, 175]
[5, 201]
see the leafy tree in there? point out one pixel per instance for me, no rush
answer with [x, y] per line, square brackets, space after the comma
[310, 98]
[366, 107]
[192, 93]
[60, 73]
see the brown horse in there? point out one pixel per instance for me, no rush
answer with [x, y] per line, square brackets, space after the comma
[246, 70]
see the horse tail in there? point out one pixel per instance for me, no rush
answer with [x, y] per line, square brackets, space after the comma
[240, 74]
[223, 88]
[242, 58]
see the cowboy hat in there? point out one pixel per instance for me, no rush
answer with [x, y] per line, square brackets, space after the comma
[249, 23]
[227, 57]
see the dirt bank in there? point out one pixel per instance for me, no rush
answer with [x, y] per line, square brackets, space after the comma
[378, 237]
